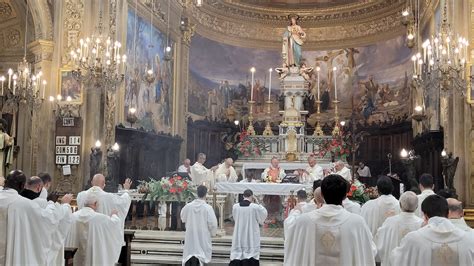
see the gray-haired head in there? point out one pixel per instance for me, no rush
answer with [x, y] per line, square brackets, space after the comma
[91, 201]
[455, 208]
[201, 157]
[408, 201]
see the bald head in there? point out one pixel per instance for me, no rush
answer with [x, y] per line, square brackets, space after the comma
[229, 162]
[187, 162]
[98, 181]
[34, 183]
[455, 209]
[318, 197]
[408, 201]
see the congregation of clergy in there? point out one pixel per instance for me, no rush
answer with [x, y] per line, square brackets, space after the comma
[329, 229]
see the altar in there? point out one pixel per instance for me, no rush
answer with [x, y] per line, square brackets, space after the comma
[259, 166]
[279, 189]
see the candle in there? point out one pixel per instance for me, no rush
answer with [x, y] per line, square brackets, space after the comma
[270, 84]
[335, 82]
[10, 73]
[317, 71]
[252, 70]
[44, 89]
[2, 79]
[14, 83]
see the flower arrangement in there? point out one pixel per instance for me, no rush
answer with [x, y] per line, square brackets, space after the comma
[337, 147]
[174, 188]
[372, 192]
[246, 147]
[357, 192]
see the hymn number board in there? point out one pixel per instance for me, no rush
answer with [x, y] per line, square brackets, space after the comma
[68, 141]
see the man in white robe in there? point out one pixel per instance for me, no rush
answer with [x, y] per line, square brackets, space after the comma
[393, 230]
[426, 186]
[46, 178]
[298, 209]
[225, 173]
[274, 173]
[313, 171]
[377, 210]
[201, 225]
[330, 235]
[341, 169]
[200, 174]
[439, 242]
[248, 216]
[108, 201]
[97, 236]
[26, 229]
[185, 167]
[456, 214]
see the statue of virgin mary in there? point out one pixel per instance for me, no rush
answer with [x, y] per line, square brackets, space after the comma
[293, 39]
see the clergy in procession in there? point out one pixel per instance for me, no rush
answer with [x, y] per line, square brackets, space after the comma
[26, 229]
[426, 186]
[377, 210]
[201, 225]
[341, 169]
[33, 187]
[199, 173]
[226, 173]
[313, 172]
[392, 231]
[97, 236]
[298, 209]
[439, 242]
[330, 235]
[46, 178]
[248, 216]
[350, 205]
[108, 201]
[274, 173]
[317, 201]
[456, 214]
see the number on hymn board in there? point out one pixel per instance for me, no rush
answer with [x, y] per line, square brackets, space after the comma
[68, 122]
[73, 159]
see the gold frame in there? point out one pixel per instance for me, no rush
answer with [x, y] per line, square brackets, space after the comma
[59, 88]
[469, 88]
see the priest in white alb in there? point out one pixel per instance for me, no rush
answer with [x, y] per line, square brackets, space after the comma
[349, 205]
[301, 197]
[377, 210]
[439, 242]
[225, 173]
[426, 186]
[108, 201]
[200, 174]
[330, 235]
[97, 236]
[392, 231]
[341, 169]
[317, 201]
[248, 216]
[26, 229]
[313, 172]
[201, 225]
[456, 214]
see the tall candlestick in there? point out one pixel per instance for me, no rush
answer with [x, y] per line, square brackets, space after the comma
[317, 71]
[252, 70]
[335, 82]
[10, 73]
[270, 84]
[2, 79]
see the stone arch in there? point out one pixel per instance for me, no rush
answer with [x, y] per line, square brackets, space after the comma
[41, 12]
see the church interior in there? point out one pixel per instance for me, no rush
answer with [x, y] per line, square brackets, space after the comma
[155, 100]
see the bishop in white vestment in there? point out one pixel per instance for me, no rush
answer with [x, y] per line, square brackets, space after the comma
[438, 243]
[225, 173]
[426, 187]
[313, 171]
[377, 210]
[201, 225]
[97, 236]
[330, 235]
[341, 169]
[393, 230]
[200, 174]
[248, 217]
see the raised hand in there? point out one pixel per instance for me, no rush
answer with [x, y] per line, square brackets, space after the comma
[127, 184]
[66, 198]
[114, 211]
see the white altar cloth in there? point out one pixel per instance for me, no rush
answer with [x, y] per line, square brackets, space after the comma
[285, 165]
[280, 189]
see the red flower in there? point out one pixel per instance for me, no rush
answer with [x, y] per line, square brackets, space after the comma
[246, 154]
[185, 185]
[349, 194]
[353, 188]
[180, 190]
[179, 178]
[171, 180]
[172, 190]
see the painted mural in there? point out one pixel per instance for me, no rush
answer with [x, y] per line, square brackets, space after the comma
[149, 78]
[372, 81]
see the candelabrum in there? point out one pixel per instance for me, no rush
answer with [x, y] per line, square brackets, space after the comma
[318, 131]
[268, 128]
[336, 131]
[250, 129]
[131, 116]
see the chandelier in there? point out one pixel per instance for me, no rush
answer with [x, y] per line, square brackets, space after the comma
[23, 85]
[442, 61]
[98, 61]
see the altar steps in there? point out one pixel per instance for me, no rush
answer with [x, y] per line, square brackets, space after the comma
[166, 248]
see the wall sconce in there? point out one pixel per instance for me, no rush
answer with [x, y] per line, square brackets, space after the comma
[418, 114]
[131, 116]
[444, 153]
[168, 53]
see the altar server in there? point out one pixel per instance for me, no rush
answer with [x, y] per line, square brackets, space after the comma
[377, 210]
[456, 214]
[226, 173]
[200, 173]
[330, 235]
[201, 225]
[108, 201]
[439, 242]
[313, 171]
[392, 231]
[248, 216]
[341, 169]
[97, 236]
[26, 229]
[426, 186]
